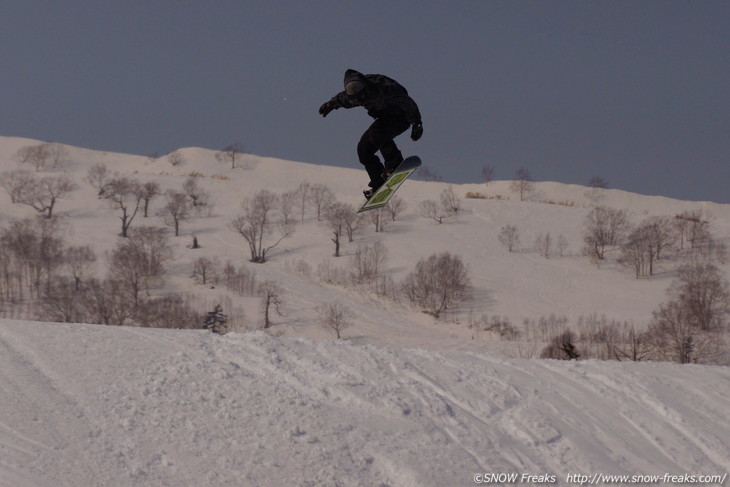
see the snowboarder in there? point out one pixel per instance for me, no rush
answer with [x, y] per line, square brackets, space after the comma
[393, 110]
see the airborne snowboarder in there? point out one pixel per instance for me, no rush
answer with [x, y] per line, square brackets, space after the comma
[393, 110]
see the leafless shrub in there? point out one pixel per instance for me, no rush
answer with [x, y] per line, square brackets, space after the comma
[331, 274]
[395, 207]
[175, 158]
[561, 347]
[450, 202]
[499, 325]
[241, 280]
[437, 283]
[198, 196]
[431, 210]
[544, 243]
[171, 311]
[257, 224]
[335, 317]
[509, 236]
[368, 262]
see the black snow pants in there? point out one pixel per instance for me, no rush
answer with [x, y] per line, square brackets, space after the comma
[379, 137]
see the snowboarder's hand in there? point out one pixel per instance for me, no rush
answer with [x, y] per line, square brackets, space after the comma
[416, 131]
[326, 108]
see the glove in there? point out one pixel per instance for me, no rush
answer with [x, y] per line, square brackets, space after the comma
[416, 131]
[326, 108]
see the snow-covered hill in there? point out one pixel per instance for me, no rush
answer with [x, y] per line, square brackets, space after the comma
[84, 405]
[405, 400]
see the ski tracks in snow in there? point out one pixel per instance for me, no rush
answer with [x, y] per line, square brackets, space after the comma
[87, 405]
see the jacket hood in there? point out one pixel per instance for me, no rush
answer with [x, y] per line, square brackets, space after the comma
[352, 75]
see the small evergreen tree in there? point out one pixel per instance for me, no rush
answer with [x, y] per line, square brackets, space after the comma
[216, 321]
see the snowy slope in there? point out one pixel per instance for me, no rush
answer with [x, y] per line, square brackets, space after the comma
[84, 405]
[404, 400]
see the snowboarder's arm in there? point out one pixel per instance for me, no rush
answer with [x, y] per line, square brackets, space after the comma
[340, 100]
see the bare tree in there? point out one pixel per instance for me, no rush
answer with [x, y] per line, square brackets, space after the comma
[150, 190]
[258, 222]
[692, 227]
[437, 282]
[106, 302]
[509, 236]
[42, 155]
[33, 250]
[125, 196]
[338, 215]
[231, 153]
[206, 270]
[487, 174]
[43, 194]
[321, 196]
[287, 202]
[523, 183]
[97, 177]
[598, 182]
[378, 217]
[139, 261]
[17, 183]
[604, 227]
[272, 295]
[645, 245]
[176, 210]
[395, 207]
[78, 260]
[562, 245]
[690, 327]
[543, 243]
[303, 196]
[425, 173]
[368, 262]
[335, 317]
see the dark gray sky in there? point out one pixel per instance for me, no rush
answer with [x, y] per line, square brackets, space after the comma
[635, 91]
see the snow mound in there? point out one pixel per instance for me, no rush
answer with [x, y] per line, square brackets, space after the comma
[85, 405]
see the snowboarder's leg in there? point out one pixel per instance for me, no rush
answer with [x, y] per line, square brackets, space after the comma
[379, 137]
[366, 153]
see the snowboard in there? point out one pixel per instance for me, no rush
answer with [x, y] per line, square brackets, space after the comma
[384, 193]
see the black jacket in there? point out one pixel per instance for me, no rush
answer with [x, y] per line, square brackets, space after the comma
[382, 97]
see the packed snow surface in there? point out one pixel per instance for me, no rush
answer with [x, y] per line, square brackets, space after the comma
[85, 405]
